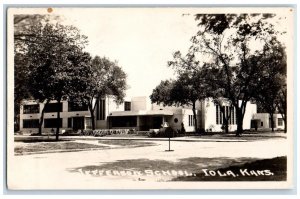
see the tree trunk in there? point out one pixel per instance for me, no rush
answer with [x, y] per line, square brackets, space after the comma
[285, 123]
[226, 124]
[58, 122]
[92, 115]
[42, 118]
[272, 121]
[225, 119]
[239, 119]
[195, 116]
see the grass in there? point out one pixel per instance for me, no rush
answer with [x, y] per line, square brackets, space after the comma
[127, 143]
[50, 147]
[248, 136]
[36, 145]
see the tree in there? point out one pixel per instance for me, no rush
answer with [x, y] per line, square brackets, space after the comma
[56, 63]
[273, 60]
[107, 78]
[228, 42]
[281, 101]
[23, 24]
[162, 93]
[185, 90]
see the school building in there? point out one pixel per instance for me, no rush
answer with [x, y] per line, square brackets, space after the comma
[136, 113]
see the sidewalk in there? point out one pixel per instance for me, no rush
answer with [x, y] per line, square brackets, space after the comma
[179, 139]
[203, 138]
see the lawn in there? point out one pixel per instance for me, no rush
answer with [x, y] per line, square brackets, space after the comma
[248, 136]
[43, 146]
[35, 145]
[127, 143]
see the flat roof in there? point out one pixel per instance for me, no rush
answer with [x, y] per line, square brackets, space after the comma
[141, 113]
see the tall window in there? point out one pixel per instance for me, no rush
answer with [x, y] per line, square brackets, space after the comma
[34, 108]
[280, 122]
[228, 111]
[191, 120]
[127, 106]
[233, 116]
[31, 123]
[53, 107]
[52, 123]
[217, 115]
[69, 122]
[100, 113]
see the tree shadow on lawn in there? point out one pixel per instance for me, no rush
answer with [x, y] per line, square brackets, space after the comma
[189, 169]
[274, 169]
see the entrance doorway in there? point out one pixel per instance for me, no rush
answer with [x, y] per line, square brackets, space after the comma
[157, 122]
[78, 123]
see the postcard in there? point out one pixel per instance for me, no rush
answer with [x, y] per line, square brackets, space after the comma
[151, 98]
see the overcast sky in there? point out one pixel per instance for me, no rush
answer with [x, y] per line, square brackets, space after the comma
[142, 40]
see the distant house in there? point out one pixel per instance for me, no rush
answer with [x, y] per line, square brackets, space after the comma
[137, 113]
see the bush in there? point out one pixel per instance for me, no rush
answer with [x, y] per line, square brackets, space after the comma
[105, 132]
[163, 132]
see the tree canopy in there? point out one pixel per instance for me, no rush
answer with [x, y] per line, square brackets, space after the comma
[233, 46]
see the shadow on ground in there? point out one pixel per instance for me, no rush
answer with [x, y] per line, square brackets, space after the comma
[191, 169]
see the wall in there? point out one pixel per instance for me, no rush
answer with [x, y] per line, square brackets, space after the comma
[208, 112]
[64, 115]
[264, 117]
[110, 106]
[251, 110]
[141, 103]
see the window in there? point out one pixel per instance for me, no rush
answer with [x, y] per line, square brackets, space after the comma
[100, 113]
[126, 121]
[72, 106]
[51, 123]
[127, 106]
[175, 120]
[261, 124]
[34, 108]
[228, 111]
[53, 107]
[31, 123]
[69, 122]
[217, 115]
[280, 122]
[233, 116]
[191, 120]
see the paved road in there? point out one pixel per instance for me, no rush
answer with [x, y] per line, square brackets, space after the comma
[42, 171]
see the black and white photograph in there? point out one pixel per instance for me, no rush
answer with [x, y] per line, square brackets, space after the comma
[150, 98]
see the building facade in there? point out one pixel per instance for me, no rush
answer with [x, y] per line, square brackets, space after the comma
[137, 113]
[72, 116]
[263, 121]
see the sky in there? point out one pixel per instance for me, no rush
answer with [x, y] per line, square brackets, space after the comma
[141, 40]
